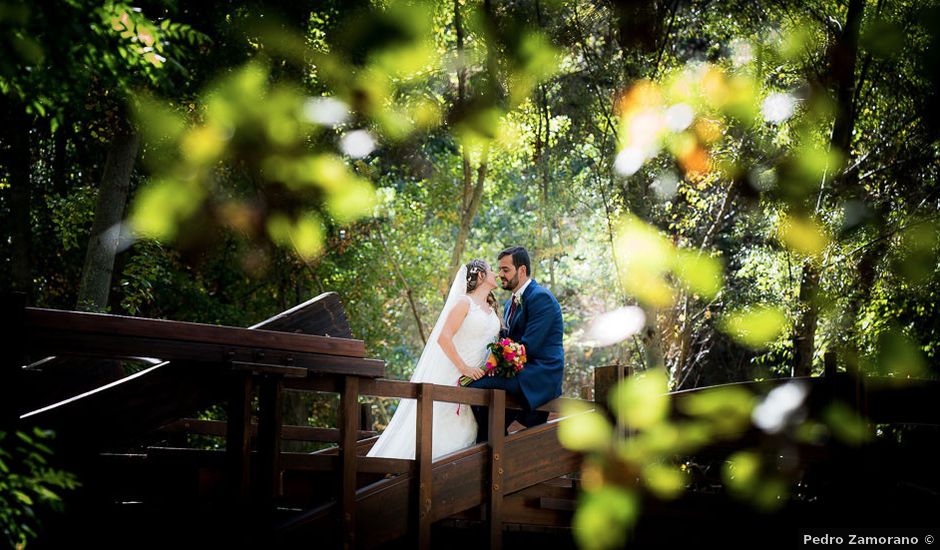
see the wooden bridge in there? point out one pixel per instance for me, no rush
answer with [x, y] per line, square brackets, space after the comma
[140, 490]
[252, 490]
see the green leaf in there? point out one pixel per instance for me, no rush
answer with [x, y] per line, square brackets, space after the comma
[641, 401]
[584, 431]
[755, 327]
[23, 497]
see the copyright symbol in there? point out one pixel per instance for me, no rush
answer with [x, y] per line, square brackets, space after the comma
[928, 539]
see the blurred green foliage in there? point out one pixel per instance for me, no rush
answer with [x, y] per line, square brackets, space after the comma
[684, 164]
[29, 484]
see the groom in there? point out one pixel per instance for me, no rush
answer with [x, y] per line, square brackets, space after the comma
[532, 317]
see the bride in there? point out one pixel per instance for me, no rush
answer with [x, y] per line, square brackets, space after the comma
[457, 346]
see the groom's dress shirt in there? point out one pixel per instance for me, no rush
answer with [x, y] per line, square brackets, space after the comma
[521, 290]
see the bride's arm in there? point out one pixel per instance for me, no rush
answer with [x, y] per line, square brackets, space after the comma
[446, 339]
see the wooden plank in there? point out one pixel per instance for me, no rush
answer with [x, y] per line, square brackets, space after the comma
[458, 394]
[309, 462]
[39, 320]
[63, 342]
[541, 504]
[198, 426]
[323, 315]
[382, 465]
[559, 504]
[381, 387]
[266, 368]
[389, 388]
[349, 427]
[319, 382]
[327, 463]
[423, 501]
[270, 412]
[531, 452]
[497, 439]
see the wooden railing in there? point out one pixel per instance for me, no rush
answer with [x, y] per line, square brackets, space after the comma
[350, 388]
[252, 360]
[246, 361]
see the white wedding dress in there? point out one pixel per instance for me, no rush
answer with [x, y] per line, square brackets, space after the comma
[454, 426]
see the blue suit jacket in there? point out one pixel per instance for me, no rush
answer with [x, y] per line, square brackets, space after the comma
[538, 325]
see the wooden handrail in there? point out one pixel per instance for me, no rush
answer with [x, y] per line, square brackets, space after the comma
[39, 320]
[400, 389]
[52, 332]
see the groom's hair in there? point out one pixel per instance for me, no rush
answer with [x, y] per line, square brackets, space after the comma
[520, 257]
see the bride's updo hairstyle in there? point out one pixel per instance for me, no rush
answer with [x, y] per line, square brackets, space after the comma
[476, 271]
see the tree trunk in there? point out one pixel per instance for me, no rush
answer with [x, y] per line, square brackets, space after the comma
[804, 339]
[102, 246]
[842, 73]
[409, 294]
[472, 195]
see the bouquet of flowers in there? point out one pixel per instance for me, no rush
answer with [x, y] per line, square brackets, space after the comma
[507, 358]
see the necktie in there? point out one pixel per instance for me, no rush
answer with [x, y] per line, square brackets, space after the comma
[512, 310]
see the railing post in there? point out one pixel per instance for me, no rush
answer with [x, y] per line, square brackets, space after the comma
[497, 429]
[605, 378]
[365, 417]
[270, 417]
[423, 476]
[348, 432]
[238, 439]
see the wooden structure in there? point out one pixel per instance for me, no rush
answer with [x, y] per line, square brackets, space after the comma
[255, 489]
[251, 491]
